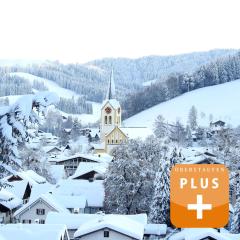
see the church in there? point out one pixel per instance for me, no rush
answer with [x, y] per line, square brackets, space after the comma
[111, 133]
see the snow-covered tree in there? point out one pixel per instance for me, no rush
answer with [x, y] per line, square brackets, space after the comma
[35, 159]
[160, 127]
[192, 118]
[160, 206]
[235, 224]
[129, 180]
[75, 132]
[15, 121]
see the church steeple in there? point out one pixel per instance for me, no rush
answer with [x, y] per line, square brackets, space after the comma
[111, 88]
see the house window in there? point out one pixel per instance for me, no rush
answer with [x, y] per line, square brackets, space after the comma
[106, 234]
[116, 141]
[23, 221]
[29, 221]
[110, 119]
[40, 211]
[105, 119]
[112, 140]
[108, 141]
[41, 221]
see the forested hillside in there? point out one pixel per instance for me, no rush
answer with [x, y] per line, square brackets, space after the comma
[220, 71]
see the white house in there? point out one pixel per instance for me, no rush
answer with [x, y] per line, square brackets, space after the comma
[36, 211]
[33, 232]
[74, 221]
[110, 227]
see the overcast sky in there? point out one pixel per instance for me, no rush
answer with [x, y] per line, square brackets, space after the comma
[83, 30]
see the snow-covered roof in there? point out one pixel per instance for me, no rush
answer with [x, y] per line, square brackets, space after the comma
[93, 191]
[48, 198]
[136, 132]
[197, 234]
[9, 200]
[74, 221]
[32, 231]
[17, 188]
[155, 229]
[29, 176]
[71, 201]
[39, 189]
[86, 167]
[91, 157]
[48, 149]
[36, 177]
[121, 224]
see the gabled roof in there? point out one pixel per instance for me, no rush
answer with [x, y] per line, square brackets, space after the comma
[120, 224]
[120, 130]
[9, 200]
[48, 199]
[86, 167]
[74, 221]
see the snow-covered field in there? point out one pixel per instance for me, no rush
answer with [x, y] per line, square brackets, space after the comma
[222, 101]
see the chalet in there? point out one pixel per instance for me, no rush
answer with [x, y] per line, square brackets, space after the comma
[74, 221]
[37, 210]
[71, 163]
[111, 227]
[218, 123]
[33, 232]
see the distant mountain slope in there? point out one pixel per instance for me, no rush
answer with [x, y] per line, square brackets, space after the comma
[157, 67]
[222, 101]
[52, 86]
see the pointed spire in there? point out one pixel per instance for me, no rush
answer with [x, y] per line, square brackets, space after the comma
[111, 88]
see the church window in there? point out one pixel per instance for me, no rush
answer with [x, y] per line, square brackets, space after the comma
[116, 141]
[105, 119]
[110, 119]
[112, 140]
[108, 141]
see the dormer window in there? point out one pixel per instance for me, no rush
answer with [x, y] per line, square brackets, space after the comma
[110, 120]
[105, 120]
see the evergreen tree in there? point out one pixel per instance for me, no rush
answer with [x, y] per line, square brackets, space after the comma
[192, 118]
[160, 206]
[14, 123]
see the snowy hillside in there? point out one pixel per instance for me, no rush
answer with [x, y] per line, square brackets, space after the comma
[52, 86]
[222, 101]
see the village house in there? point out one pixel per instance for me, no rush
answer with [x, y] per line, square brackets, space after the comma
[75, 222]
[71, 163]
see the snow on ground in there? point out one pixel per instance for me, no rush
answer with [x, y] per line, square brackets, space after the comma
[52, 86]
[221, 101]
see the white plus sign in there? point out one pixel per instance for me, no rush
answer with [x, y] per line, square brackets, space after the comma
[199, 206]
